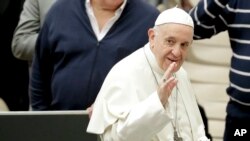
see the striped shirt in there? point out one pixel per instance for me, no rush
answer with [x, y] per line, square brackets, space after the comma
[214, 16]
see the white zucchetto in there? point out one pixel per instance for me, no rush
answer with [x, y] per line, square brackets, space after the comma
[174, 15]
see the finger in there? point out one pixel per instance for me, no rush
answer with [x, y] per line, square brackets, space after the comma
[166, 88]
[169, 84]
[169, 71]
[90, 110]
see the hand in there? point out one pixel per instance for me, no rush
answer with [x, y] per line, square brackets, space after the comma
[186, 5]
[167, 84]
[90, 110]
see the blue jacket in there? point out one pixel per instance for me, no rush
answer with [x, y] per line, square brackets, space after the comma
[70, 64]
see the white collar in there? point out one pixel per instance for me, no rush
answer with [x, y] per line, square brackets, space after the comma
[152, 60]
[101, 34]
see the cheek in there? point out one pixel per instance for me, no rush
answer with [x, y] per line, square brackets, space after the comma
[165, 62]
[162, 57]
[184, 54]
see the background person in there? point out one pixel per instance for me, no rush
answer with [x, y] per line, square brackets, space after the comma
[79, 43]
[29, 25]
[212, 17]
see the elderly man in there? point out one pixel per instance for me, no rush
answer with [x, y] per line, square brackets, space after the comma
[147, 96]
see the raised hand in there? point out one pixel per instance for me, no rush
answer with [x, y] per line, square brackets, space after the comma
[168, 82]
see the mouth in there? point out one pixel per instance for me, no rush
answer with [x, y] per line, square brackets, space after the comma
[172, 60]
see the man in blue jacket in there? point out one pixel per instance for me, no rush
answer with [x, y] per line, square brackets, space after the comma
[79, 43]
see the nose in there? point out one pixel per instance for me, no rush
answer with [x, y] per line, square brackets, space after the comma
[176, 51]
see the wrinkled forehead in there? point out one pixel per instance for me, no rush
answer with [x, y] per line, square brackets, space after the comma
[166, 27]
[173, 30]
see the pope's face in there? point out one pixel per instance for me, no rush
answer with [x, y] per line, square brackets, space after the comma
[170, 43]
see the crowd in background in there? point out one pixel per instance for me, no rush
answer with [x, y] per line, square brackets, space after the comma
[22, 20]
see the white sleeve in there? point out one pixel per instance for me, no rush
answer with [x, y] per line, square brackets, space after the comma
[143, 122]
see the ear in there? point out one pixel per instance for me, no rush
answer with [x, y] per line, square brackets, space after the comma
[151, 36]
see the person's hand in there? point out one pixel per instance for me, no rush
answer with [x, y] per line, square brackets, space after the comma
[90, 110]
[186, 5]
[167, 84]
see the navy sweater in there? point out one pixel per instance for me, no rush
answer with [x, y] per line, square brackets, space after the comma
[232, 15]
[70, 64]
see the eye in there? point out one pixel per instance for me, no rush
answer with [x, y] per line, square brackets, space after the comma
[184, 45]
[170, 42]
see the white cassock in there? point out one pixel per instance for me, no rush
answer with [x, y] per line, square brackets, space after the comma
[128, 108]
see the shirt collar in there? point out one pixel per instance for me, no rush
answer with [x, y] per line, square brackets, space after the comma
[152, 59]
[123, 5]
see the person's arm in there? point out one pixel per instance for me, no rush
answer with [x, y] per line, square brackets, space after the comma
[25, 36]
[186, 5]
[40, 84]
[209, 18]
[138, 124]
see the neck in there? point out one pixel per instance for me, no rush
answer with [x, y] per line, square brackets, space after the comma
[103, 6]
[103, 11]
